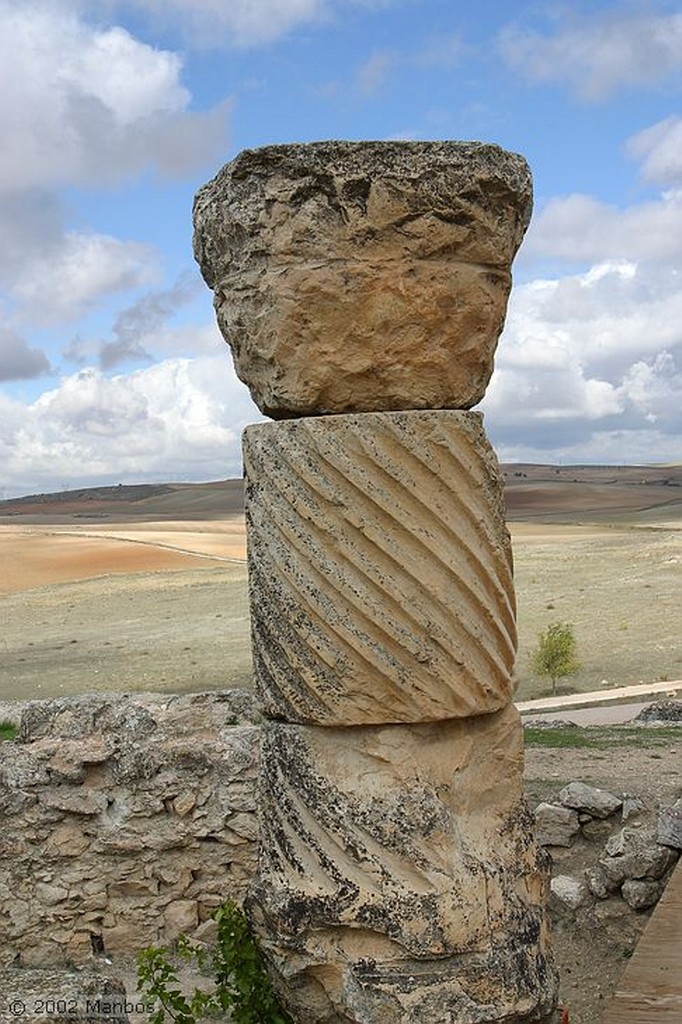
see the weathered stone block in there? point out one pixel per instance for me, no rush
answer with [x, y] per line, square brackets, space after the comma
[555, 825]
[597, 802]
[568, 892]
[380, 568]
[669, 831]
[357, 276]
[398, 872]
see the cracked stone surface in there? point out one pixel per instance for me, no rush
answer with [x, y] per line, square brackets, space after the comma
[358, 276]
[399, 874]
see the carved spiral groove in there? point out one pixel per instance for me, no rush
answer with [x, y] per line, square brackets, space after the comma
[380, 568]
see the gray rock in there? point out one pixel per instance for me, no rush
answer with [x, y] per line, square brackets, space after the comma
[612, 910]
[62, 997]
[632, 807]
[634, 853]
[568, 891]
[640, 894]
[597, 802]
[555, 825]
[600, 883]
[669, 830]
[363, 276]
[661, 711]
[11, 711]
[596, 829]
[616, 845]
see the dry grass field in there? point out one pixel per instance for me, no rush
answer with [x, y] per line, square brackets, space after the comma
[144, 588]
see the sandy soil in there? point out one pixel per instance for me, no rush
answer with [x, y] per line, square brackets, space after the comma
[619, 588]
[162, 604]
[157, 606]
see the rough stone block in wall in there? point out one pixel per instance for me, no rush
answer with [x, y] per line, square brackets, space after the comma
[358, 276]
[380, 568]
[399, 880]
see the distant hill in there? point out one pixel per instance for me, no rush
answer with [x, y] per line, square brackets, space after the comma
[216, 500]
[593, 493]
[533, 492]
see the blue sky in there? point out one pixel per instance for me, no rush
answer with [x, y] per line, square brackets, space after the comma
[115, 111]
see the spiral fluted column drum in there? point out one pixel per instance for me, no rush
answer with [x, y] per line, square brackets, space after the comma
[379, 567]
[362, 288]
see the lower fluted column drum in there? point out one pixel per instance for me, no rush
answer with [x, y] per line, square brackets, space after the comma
[399, 881]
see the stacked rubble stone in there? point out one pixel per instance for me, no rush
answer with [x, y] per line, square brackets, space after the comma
[362, 288]
[637, 859]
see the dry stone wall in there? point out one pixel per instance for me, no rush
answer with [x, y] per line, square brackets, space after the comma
[76, 880]
[124, 822]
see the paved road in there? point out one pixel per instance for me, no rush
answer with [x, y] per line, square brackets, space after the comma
[600, 707]
[616, 714]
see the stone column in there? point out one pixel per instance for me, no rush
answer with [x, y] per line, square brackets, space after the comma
[362, 288]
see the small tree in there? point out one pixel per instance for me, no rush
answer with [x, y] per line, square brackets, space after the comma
[555, 655]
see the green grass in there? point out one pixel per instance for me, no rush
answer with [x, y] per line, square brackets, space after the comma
[597, 737]
[7, 731]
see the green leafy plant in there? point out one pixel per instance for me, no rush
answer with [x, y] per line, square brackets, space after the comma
[7, 731]
[241, 983]
[555, 654]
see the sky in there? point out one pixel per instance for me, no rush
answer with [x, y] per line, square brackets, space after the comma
[114, 112]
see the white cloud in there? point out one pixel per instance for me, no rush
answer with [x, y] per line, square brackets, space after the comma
[137, 328]
[654, 389]
[18, 360]
[372, 74]
[590, 354]
[84, 105]
[129, 78]
[178, 419]
[580, 228]
[596, 354]
[218, 24]
[68, 281]
[225, 24]
[606, 447]
[31, 222]
[598, 54]
[660, 149]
